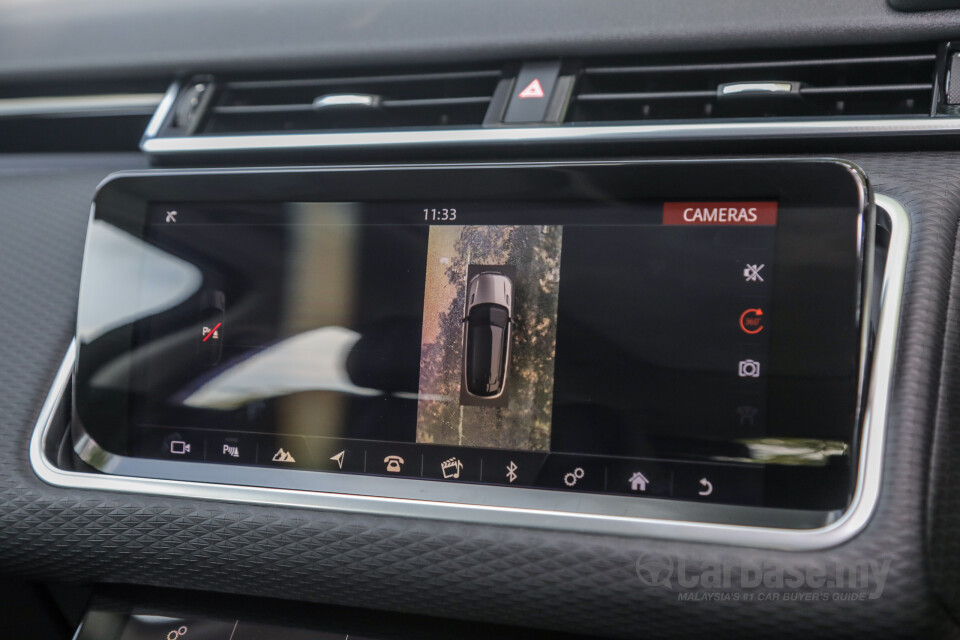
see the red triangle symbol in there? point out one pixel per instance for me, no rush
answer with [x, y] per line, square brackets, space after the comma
[533, 90]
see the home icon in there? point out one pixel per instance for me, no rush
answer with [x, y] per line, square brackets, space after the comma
[638, 482]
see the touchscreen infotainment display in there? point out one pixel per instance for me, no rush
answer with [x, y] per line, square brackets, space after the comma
[670, 349]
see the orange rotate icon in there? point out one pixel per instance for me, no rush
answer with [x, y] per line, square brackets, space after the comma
[751, 321]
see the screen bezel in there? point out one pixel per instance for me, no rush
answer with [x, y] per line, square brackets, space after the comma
[837, 189]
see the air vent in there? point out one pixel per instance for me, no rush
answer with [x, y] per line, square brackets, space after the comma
[422, 100]
[788, 86]
[851, 94]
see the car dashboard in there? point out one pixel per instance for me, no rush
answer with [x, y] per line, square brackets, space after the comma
[531, 319]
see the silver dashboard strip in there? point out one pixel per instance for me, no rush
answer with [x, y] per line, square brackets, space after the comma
[849, 524]
[664, 132]
[108, 104]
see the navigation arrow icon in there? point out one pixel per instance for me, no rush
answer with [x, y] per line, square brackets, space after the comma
[339, 458]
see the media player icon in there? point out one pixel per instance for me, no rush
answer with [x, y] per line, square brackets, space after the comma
[451, 468]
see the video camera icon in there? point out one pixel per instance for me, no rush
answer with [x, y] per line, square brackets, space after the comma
[179, 447]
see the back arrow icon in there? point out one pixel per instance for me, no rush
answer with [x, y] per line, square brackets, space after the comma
[339, 458]
[707, 487]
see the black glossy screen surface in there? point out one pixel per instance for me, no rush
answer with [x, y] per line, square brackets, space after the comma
[712, 356]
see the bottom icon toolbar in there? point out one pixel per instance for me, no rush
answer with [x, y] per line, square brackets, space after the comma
[639, 477]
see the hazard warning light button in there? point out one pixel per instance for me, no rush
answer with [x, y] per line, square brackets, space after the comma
[531, 93]
[532, 90]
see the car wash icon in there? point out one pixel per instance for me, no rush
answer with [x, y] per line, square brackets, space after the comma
[451, 468]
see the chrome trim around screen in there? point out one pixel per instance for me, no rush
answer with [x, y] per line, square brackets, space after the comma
[674, 520]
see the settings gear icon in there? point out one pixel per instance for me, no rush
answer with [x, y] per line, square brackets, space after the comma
[573, 477]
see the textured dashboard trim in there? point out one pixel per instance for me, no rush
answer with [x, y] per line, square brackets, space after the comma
[835, 533]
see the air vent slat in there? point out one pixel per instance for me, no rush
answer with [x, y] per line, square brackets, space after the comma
[436, 102]
[251, 85]
[655, 95]
[888, 88]
[386, 104]
[362, 102]
[262, 108]
[808, 85]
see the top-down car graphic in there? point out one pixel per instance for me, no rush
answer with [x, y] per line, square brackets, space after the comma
[486, 332]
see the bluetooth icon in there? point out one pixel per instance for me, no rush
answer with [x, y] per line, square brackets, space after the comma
[512, 471]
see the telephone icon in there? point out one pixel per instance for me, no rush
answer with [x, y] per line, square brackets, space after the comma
[394, 463]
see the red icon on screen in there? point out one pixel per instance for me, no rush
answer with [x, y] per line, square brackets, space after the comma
[211, 333]
[751, 321]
